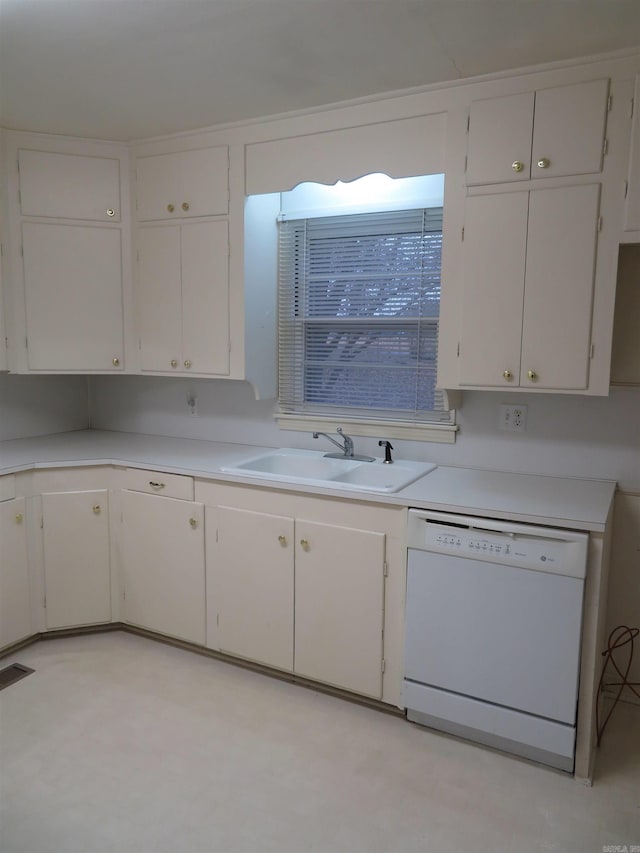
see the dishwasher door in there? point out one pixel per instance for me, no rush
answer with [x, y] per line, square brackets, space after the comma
[505, 635]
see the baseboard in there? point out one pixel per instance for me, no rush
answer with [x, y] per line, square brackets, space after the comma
[290, 677]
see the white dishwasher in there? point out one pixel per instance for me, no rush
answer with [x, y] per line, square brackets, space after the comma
[493, 629]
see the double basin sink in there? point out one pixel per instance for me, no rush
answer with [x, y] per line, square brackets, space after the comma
[313, 468]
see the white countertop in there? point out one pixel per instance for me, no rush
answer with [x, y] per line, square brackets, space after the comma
[555, 501]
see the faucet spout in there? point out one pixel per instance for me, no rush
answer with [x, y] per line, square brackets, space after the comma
[346, 447]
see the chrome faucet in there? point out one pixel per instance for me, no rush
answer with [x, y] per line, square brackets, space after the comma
[346, 447]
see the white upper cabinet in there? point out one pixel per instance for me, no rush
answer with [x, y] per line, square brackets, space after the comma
[69, 186]
[68, 256]
[548, 133]
[183, 297]
[73, 296]
[632, 210]
[183, 184]
[529, 265]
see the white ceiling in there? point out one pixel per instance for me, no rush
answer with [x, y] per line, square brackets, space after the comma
[122, 69]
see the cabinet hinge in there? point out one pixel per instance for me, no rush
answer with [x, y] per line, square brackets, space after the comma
[385, 571]
[592, 350]
[466, 160]
[605, 147]
[384, 665]
[19, 198]
[468, 122]
[21, 251]
[42, 522]
[626, 188]
[599, 223]
[631, 107]
[26, 343]
[216, 535]
[462, 234]
[609, 103]
[458, 350]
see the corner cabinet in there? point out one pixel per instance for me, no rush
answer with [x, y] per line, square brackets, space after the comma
[529, 266]
[182, 205]
[76, 547]
[15, 602]
[68, 224]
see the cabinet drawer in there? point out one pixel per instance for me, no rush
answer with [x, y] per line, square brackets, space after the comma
[69, 186]
[158, 483]
[7, 487]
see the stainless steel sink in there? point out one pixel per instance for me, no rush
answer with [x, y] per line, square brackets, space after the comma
[313, 468]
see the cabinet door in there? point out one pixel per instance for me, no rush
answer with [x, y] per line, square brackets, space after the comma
[205, 297]
[3, 349]
[69, 186]
[632, 208]
[163, 565]
[339, 595]
[185, 183]
[159, 300]
[494, 251]
[560, 270]
[499, 137]
[254, 582]
[76, 558]
[15, 608]
[568, 129]
[73, 296]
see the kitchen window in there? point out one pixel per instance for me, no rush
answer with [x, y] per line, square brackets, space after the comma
[359, 300]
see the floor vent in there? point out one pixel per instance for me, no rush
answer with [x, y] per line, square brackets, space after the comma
[10, 674]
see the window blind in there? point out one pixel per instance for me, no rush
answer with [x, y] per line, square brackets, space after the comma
[358, 310]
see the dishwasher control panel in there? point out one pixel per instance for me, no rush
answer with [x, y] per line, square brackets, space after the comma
[528, 547]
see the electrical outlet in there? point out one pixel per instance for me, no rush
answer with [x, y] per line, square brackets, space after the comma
[192, 403]
[513, 418]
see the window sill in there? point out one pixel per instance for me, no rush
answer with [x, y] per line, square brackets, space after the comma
[441, 433]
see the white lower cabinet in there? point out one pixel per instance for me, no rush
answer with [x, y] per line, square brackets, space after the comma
[339, 604]
[76, 558]
[15, 608]
[255, 576]
[298, 595]
[163, 565]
